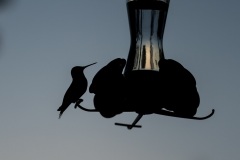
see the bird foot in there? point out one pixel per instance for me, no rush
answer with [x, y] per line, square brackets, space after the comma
[77, 104]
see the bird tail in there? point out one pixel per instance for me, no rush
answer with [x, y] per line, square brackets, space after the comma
[61, 112]
[59, 109]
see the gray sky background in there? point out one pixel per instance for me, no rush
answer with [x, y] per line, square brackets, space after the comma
[42, 40]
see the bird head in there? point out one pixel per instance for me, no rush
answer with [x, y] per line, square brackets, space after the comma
[78, 70]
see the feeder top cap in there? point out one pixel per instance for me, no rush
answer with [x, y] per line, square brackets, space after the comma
[166, 1]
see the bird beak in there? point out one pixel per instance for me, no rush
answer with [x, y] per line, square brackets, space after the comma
[90, 65]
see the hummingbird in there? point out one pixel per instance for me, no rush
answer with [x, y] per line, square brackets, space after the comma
[77, 88]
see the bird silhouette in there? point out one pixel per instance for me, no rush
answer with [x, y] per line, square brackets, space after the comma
[77, 88]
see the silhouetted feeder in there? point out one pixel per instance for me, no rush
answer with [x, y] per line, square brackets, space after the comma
[150, 84]
[147, 19]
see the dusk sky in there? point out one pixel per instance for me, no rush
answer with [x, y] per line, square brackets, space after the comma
[41, 40]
